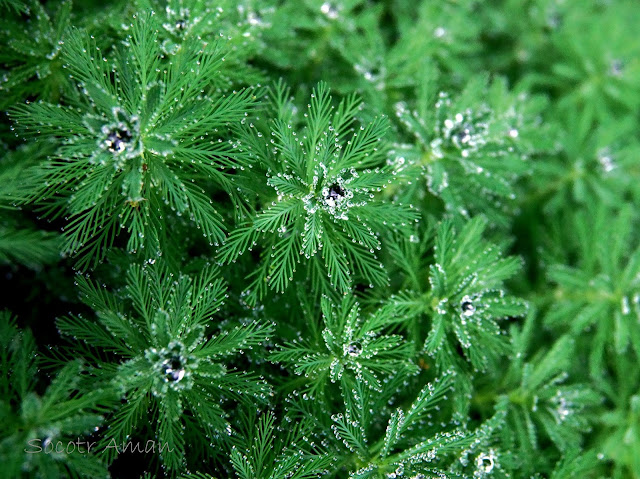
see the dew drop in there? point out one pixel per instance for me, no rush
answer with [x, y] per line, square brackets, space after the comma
[353, 349]
[467, 306]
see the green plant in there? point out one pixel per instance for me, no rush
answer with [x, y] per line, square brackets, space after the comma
[372, 239]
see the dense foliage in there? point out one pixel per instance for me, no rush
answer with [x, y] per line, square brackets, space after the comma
[288, 239]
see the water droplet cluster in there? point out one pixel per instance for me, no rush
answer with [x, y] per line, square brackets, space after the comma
[466, 131]
[173, 366]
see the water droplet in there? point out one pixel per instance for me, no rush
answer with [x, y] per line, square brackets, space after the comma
[616, 68]
[485, 462]
[335, 193]
[467, 306]
[353, 349]
[173, 370]
[606, 160]
[626, 309]
[439, 32]
[117, 140]
[329, 10]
